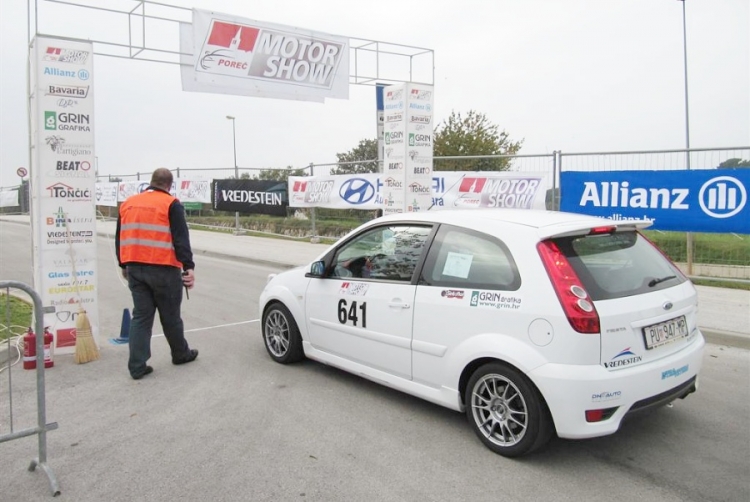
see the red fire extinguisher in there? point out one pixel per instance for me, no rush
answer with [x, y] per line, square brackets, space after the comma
[29, 349]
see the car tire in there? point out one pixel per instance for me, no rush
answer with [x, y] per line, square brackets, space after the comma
[506, 411]
[281, 335]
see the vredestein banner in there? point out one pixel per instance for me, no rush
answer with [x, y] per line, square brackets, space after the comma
[63, 210]
[251, 196]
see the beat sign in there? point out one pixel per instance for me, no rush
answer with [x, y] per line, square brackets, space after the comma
[351, 314]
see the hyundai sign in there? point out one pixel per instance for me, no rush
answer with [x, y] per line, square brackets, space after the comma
[714, 200]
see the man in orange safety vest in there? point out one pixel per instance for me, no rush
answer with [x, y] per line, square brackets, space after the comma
[153, 250]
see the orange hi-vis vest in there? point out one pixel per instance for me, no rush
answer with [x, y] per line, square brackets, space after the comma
[145, 235]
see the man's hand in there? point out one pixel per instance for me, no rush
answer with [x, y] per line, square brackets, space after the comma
[188, 278]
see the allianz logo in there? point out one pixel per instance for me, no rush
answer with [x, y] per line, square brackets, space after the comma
[720, 197]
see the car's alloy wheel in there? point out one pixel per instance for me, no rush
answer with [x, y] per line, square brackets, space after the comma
[505, 411]
[281, 335]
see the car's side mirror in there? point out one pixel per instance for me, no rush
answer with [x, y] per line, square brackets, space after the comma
[317, 269]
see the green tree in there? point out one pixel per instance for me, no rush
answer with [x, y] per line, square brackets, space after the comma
[280, 174]
[362, 156]
[734, 163]
[472, 134]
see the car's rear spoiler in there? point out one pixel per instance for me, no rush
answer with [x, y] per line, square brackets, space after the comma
[585, 227]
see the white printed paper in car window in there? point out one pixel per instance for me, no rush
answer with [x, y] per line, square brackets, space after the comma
[457, 265]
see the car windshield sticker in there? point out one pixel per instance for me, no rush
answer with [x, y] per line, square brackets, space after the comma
[354, 288]
[457, 265]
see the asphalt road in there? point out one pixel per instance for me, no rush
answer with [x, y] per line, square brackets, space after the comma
[235, 426]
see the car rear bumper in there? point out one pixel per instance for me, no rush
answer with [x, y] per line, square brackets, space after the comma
[572, 390]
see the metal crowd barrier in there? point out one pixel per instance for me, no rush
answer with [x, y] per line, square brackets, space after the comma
[42, 426]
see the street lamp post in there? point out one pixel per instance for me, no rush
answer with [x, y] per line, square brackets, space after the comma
[236, 175]
[684, 54]
[689, 235]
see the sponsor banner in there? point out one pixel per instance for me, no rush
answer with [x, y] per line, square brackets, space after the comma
[236, 55]
[193, 191]
[356, 191]
[186, 190]
[127, 188]
[444, 190]
[380, 119]
[251, 196]
[9, 198]
[189, 84]
[106, 194]
[488, 189]
[393, 181]
[419, 147]
[63, 188]
[714, 200]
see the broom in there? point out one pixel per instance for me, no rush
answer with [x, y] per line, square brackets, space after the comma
[86, 348]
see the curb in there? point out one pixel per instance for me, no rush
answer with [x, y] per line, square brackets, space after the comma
[718, 337]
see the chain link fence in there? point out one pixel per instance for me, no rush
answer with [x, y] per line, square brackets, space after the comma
[709, 255]
[725, 256]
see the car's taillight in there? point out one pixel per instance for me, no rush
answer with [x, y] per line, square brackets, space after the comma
[575, 301]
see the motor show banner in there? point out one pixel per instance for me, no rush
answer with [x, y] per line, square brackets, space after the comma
[251, 196]
[407, 162]
[235, 55]
[63, 212]
[448, 190]
[186, 190]
[702, 200]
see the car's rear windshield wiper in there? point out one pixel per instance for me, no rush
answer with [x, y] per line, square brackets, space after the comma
[654, 282]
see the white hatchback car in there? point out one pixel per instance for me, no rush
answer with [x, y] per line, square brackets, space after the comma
[533, 322]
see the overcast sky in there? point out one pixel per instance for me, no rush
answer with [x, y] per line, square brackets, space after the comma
[570, 75]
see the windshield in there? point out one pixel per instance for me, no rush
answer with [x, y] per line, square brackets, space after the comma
[619, 264]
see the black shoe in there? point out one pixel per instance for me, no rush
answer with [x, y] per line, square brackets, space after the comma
[187, 358]
[147, 371]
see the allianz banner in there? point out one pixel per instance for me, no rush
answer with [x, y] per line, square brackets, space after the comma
[712, 200]
[251, 196]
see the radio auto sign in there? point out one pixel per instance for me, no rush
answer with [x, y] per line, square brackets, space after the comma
[714, 200]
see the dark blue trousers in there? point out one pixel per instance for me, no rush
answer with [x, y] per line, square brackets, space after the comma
[154, 287]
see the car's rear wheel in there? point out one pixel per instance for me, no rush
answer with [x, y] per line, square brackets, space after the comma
[281, 335]
[506, 411]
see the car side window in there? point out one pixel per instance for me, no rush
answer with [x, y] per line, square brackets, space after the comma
[466, 259]
[388, 253]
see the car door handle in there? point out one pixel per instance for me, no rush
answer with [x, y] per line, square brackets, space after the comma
[398, 305]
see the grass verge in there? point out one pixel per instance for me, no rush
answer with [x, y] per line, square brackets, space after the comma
[718, 283]
[15, 316]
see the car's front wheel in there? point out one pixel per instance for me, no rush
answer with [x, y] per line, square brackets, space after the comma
[281, 335]
[506, 412]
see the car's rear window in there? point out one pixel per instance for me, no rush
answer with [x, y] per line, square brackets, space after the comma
[618, 264]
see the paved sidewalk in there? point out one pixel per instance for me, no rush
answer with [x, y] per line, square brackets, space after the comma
[723, 314]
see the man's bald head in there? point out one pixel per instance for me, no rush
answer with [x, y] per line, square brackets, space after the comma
[162, 178]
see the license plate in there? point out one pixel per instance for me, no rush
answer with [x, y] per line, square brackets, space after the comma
[657, 335]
